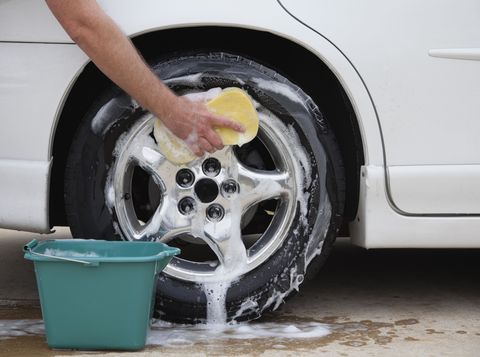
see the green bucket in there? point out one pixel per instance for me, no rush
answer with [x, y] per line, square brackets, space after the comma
[97, 294]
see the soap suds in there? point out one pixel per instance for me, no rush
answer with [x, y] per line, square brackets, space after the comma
[103, 119]
[69, 253]
[190, 79]
[234, 265]
[152, 157]
[204, 96]
[168, 335]
[216, 294]
[109, 194]
[171, 335]
[108, 114]
[192, 138]
[279, 88]
[16, 328]
[247, 305]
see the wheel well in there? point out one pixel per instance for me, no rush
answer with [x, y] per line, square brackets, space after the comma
[288, 58]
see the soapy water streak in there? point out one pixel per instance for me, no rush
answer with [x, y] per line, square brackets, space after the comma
[234, 265]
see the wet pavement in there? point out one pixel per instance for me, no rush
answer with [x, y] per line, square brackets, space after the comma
[377, 302]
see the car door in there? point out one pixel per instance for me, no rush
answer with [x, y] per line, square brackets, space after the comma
[420, 64]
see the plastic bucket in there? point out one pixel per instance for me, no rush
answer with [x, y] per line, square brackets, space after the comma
[97, 294]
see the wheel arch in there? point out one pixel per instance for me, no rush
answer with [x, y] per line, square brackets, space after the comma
[265, 48]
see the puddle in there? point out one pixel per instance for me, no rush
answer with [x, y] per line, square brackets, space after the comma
[275, 333]
[287, 333]
[166, 334]
[16, 328]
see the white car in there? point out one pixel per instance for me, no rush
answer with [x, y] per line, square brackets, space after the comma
[368, 122]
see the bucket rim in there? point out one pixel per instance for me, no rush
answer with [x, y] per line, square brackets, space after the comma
[32, 254]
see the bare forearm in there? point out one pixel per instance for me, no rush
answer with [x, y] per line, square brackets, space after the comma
[103, 41]
[112, 52]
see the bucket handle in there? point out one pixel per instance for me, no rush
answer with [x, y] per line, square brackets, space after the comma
[29, 246]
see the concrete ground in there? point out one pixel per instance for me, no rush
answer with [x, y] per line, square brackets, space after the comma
[376, 303]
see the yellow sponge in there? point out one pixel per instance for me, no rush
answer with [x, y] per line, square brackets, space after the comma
[232, 103]
[235, 104]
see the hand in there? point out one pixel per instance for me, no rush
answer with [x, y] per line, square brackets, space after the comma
[194, 123]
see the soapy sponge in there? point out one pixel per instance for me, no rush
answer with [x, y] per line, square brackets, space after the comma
[232, 103]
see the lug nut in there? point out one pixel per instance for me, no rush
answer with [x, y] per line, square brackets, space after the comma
[211, 167]
[186, 206]
[229, 187]
[185, 178]
[215, 212]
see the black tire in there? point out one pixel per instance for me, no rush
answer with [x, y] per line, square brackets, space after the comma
[266, 286]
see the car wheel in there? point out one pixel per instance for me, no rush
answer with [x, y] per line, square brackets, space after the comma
[249, 220]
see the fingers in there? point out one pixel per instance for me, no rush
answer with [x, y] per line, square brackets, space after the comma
[201, 146]
[198, 119]
[196, 150]
[214, 139]
[205, 145]
[221, 121]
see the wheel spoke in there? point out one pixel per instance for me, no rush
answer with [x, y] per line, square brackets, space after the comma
[260, 185]
[225, 239]
[165, 223]
[152, 161]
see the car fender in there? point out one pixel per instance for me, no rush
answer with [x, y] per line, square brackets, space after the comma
[59, 56]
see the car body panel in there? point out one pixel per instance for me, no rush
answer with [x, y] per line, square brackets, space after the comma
[44, 74]
[24, 192]
[34, 80]
[29, 21]
[441, 189]
[426, 104]
[377, 225]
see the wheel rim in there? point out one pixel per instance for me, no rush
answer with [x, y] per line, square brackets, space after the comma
[205, 201]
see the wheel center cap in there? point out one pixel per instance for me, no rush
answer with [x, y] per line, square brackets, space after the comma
[206, 190]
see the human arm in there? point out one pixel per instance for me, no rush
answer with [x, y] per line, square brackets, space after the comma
[114, 54]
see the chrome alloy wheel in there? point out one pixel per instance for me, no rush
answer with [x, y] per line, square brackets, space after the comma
[206, 201]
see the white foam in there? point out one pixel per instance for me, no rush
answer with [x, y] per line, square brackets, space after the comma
[151, 156]
[135, 104]
[100, 121]
[234, 265]
[216, 293]
[15, 328]
[172, 335]
[192, 138]
[280, 88]
[204, 96]
[247, 305]
[108, 113]
[69, 253]
[109, 194]
[303, 174]
[188, 79]
[166, 334]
